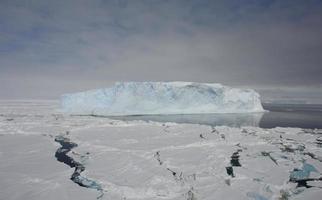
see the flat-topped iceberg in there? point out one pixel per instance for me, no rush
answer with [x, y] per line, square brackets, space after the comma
[146, 98]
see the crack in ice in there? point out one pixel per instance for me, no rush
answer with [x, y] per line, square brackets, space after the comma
[76, 177]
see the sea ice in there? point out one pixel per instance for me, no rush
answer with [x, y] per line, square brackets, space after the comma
[151, 160]
[142, 98]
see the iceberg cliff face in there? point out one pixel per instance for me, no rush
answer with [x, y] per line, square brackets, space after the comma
[142, 98]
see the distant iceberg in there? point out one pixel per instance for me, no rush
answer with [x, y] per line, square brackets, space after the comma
[151, 98]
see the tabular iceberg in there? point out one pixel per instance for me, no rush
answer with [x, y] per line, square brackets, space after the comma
[147, 98]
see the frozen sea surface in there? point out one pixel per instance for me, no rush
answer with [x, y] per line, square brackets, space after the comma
[137, 159]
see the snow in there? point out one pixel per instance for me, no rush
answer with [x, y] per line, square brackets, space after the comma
[150, 160]
[146, 98]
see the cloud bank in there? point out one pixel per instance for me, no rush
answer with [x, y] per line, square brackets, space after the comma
[52, 47]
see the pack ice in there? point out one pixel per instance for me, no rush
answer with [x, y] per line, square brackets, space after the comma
[143, 98]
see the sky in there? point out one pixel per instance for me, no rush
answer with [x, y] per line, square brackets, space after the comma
[48, 47]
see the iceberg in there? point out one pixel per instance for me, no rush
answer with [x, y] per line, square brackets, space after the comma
[156, 98]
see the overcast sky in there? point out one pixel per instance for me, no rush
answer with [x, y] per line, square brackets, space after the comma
[49, 47]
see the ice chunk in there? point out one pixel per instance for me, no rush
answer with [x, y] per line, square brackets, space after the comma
[304, 173]
[256, 196]
[142, 98]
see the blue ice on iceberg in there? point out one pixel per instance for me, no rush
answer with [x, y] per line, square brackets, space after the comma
[147, 98]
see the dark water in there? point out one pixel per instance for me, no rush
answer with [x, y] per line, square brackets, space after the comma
[279, 115]
[283, 115]
[62, 156]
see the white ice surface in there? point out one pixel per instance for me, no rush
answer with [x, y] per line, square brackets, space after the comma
[123, 158]
[137, 98]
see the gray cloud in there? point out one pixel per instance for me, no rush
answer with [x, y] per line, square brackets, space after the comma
[51, 47]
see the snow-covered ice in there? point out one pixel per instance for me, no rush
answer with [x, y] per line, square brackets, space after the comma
[152, 160]
[138, 98]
